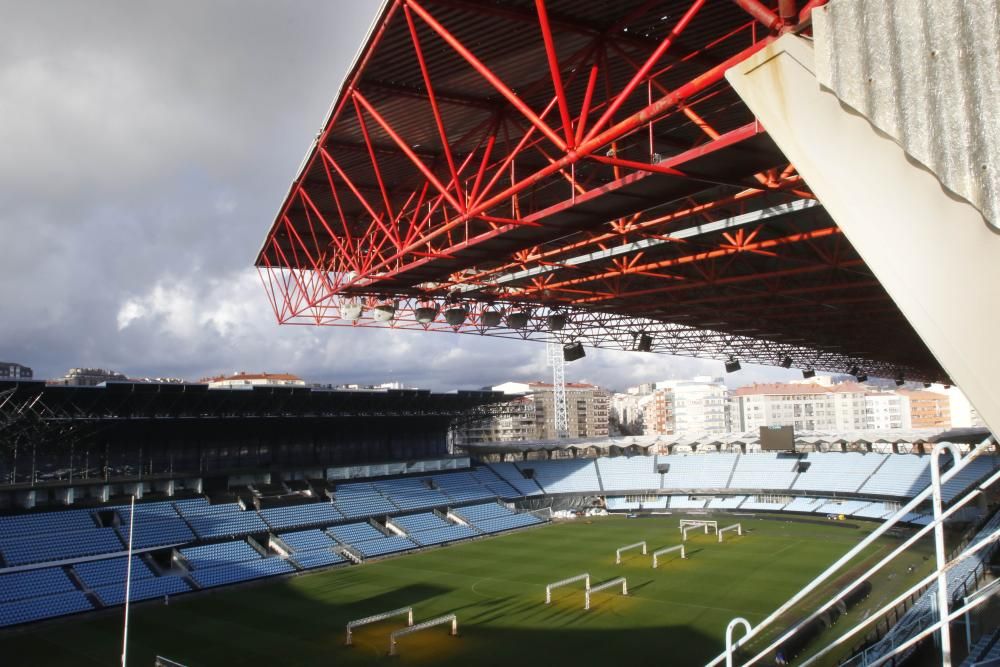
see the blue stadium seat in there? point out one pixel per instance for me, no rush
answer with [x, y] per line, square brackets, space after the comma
[34, 583]
[300, 516]
[352, 533]
[110, 570]
[231, 573]
[141, 589]
[212, 555]
[318, 558]
[59, 545]
[307, 540]
[49, 606]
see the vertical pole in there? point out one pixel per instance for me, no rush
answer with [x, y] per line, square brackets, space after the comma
[942, 582]
[128, 580]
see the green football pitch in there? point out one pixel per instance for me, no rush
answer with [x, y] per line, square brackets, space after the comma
[675, 615]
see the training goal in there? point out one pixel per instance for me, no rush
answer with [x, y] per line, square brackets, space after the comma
[440, 620]
[585, 577]
[604, 586]
[375, 618]
[661, 552]
[699, 523]
[736, 526]
[618, 553]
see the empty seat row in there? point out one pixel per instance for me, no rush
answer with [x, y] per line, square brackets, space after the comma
[512, 474]
[415, 523]
[726, 502]
[298, 516]
[483, 511]
[49, 606]
[110, 570]
[353, 533]
[511, 522]
[231, 573]
[34, 583]
[59, 545]
[318, 558]
[449, 533]
[688, 502]
[141, 589]
[570, 476]
[45, 523]
[307, 540]
[625, 473]
[211, 555]
[154, 530]
[223, 520]
[383, 546]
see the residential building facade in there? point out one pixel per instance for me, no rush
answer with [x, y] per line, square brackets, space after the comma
[11, 371]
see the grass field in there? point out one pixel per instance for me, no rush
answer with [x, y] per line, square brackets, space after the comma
[675, 615]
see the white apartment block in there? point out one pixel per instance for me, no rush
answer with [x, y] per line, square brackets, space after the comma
[807, 407]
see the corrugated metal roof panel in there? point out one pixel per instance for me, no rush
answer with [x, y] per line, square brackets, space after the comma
[928, 75]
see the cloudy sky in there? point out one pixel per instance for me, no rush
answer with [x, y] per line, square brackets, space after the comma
[144, 149]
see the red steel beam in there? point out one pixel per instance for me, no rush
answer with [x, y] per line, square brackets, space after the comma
[700, 256]
[645, 69]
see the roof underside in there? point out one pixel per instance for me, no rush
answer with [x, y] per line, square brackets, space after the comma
[545, 156]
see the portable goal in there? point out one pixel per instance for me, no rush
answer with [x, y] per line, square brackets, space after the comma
[657, 554]
[618, 553]
[440, 620]
[600, 587]
[379, 617]
[565, 582]
[699, 523]
[736, 526]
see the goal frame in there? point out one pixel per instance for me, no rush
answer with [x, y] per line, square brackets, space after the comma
[565, 582]
[693, 523]
[618, 553]
[666, 550]
[603, 586]
[375, 618]
[738, 527]
[440, 620]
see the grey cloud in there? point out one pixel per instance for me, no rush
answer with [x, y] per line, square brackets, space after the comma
[145, 148]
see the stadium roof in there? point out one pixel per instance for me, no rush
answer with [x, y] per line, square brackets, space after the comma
[117, 401]
[695, 441]
[578, 158]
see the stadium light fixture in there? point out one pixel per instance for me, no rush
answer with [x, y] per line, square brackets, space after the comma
[732, 365]
[517, 319]
[808, 373]
[786, 362]
[426, 313]
[351, 310]
[556, 321]
[573, 351]
[492, 318]
[384, 312]
[455, 316]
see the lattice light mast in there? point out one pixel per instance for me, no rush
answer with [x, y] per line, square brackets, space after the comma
[558, 363]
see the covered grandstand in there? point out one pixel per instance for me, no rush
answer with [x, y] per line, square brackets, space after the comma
[683, 177]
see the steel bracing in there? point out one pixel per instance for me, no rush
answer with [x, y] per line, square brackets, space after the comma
[584, 159]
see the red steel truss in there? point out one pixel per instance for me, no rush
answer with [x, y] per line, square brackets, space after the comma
[584, 167]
